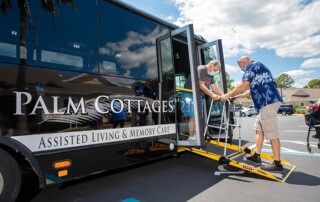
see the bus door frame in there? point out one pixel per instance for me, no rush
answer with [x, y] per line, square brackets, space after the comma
[223, 76]
[190, 41]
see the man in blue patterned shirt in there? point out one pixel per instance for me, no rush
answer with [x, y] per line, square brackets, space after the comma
[266, 99]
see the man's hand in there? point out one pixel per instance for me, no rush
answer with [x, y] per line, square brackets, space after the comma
[234, 98]
[224, 97]
[215, 97]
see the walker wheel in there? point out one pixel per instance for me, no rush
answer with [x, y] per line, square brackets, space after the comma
[224, 161]
[309, 149]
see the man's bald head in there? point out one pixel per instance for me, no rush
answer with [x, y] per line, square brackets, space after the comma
[244, 61]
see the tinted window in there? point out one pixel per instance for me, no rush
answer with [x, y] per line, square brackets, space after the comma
[127, 43]
[9, 34]
[63, 39]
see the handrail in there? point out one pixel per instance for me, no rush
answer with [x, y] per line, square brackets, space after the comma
[184, 89]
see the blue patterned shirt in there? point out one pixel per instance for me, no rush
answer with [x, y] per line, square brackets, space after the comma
[263, 88]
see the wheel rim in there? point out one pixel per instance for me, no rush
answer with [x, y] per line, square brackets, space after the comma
[1, 183]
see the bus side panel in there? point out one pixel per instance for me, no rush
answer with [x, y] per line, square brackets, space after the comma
[30, 113]
[98, 159]
[69, 72]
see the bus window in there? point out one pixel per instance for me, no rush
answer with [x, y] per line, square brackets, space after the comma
[63, 40]
[127, 43]
[62, 59]
[9, 35]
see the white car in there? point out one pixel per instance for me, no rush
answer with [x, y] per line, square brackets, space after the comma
[244, 111]
[254, 109]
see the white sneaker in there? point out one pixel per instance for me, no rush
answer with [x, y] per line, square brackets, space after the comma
[192, 138]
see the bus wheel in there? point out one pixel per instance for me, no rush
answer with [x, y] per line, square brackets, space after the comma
[10, 177]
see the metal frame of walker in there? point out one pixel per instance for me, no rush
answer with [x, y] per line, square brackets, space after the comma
[225, 125]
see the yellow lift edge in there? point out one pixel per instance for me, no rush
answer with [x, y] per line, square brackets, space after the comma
[243, 150]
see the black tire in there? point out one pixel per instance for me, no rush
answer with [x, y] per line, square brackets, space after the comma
[10, 177]
[243, 114]
[283, 113]
[289, 114]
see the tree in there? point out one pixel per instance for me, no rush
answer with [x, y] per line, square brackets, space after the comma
[284, 81]
[229, 81]
[314, 83]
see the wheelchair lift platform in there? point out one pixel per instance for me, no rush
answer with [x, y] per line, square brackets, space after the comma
[234, 158]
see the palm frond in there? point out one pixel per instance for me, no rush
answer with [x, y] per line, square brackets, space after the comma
[51, 5]
[5, 6]
[92, 113]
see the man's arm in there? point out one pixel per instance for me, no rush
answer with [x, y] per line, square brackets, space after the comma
[241, 87]
[243, 95]
[216, 89]
[206, 91]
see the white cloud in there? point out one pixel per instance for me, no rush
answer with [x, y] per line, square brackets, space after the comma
[307, 47]
[300, 83]
[169, 18]
[130, 59]
[291, 27]
[310, 63]
[232, 69]
[298, 73]
[237, 82]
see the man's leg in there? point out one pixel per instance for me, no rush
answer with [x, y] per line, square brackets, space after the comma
[276, 146]
[259, 141]
[271, 129]
[191, 126]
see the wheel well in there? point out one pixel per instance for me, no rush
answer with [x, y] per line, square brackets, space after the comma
[23, 162]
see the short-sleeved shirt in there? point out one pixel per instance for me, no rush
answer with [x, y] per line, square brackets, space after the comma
[263, 88]
[203, 76]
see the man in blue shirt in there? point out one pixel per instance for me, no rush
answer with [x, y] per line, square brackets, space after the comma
[266, 99]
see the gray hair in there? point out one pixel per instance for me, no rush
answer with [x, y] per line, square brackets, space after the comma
[214, 62]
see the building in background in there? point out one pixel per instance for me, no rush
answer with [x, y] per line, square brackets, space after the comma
[295, 96]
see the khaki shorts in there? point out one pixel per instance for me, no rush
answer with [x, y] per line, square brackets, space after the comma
[267, 121]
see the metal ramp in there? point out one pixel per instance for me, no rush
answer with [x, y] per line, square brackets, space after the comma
[235, 159]
[233, 155]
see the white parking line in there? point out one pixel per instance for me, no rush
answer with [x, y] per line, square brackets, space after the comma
[296, 131]
[293, 153]
[303, 126]
[290, 151]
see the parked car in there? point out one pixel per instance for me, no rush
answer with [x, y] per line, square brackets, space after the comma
[244, 111]
[254, 109]
[314, 112]
[286, 109]
[313, 101]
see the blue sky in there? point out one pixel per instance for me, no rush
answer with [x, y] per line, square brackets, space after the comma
[284, 35]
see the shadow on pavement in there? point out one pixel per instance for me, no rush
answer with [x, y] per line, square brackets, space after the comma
[299, 178]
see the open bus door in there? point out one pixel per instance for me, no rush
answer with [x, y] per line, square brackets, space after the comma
[213, 51]
[176, 62]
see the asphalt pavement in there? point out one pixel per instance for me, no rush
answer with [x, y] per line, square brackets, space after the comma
[194, 178]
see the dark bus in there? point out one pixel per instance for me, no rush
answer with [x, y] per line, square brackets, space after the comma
[93, 86]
